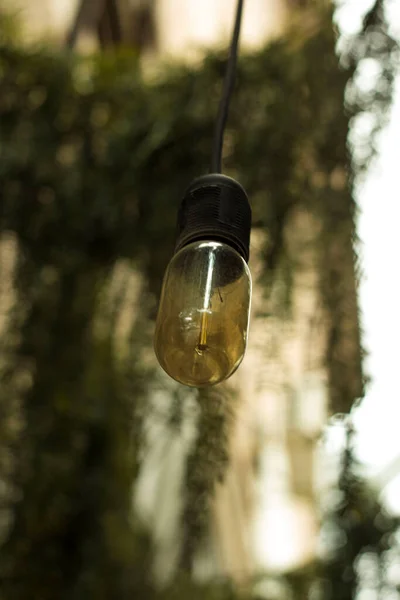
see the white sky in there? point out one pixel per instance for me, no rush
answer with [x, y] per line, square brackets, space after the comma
[378, 418]
[378, 227]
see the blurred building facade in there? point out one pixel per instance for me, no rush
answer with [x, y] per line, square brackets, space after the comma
[265, 514]
[177, 28]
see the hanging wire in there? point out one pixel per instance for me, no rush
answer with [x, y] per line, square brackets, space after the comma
[229, 82]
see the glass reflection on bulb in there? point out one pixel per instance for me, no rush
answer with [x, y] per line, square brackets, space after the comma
[203, 317]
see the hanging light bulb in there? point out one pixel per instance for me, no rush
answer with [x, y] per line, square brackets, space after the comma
[203, 317]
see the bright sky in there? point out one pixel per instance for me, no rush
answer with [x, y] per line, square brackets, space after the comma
[378, 418]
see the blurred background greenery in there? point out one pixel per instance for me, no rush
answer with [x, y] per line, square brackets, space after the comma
[115, 481]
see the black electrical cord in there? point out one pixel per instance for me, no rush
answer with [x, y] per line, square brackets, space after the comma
[229, 82]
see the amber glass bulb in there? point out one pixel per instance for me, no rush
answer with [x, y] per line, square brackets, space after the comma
[203, 317]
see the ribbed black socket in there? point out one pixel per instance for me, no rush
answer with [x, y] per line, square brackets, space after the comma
[215, 207]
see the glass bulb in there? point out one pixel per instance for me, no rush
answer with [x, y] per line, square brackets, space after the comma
[203, 317]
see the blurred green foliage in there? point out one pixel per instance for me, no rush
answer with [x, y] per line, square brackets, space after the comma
[360, 539]
[93, 161]
[361, 527]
